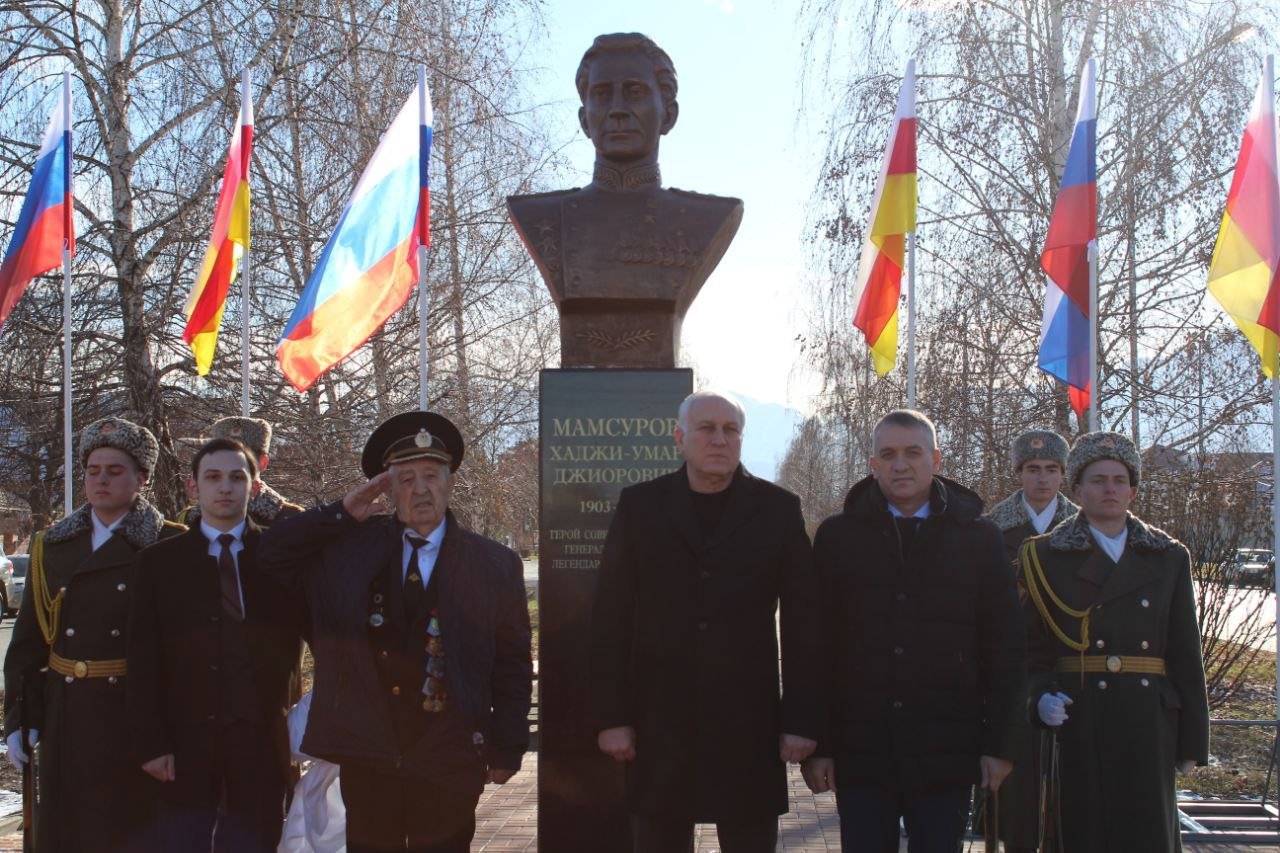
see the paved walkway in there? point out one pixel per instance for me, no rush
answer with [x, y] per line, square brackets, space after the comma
[507, 819]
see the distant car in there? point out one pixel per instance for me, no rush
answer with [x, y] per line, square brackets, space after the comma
[1252, 567]
[18, 585]
[8, 605]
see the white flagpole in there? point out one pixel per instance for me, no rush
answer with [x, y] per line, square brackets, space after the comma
[911, 319]
[68, 456]
[244, 271]
[1094, 396]
[423, 294]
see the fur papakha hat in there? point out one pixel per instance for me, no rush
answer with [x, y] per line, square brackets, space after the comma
[253, 433]
[123, 435]
[1095, 446]
[1039, 444]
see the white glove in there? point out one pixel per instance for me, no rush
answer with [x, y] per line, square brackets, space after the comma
[18, 755]
[1052, 708]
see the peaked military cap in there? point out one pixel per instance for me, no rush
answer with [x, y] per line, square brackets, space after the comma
[1096, 446]
[412, 435]
[123, 435]
[253, 433]
[1039, 444]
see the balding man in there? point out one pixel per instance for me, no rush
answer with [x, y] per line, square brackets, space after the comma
[684, 642]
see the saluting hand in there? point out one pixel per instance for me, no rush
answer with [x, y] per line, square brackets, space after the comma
[369, 499]
[160, 769]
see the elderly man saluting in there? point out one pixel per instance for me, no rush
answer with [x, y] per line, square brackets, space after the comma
[684, 643]
[421, 636]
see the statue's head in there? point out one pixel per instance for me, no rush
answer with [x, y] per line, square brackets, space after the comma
[628, 89]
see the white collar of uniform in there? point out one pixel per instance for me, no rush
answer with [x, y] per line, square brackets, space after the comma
[1040, 520]
[212, 533]
[104, 529]
[434, 538]
[1112, 545]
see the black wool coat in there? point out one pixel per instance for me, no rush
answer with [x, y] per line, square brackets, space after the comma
[484, 622]
[93, 794]
[925, 649]
[175, 678]
[1125, 731]
[684, 646]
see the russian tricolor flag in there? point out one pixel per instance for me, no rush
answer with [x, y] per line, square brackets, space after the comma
[45, 221]
[1064, 331]
[369, 266]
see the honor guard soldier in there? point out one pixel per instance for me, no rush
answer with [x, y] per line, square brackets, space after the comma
[422, 643]
[65, 671]
[1115, 660]
[267, 506]
[1040, 460]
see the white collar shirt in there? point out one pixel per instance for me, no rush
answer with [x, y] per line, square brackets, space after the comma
[922, 512]
[237, 545]
[102, 532]
[1041, 520]
[1112, 545]
[430, 551]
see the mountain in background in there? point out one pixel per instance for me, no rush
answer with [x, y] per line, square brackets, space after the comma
[769, 430]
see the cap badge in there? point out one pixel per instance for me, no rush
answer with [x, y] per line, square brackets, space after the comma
[107, 427]
[1037, 443]
[1107, 442]
[236, 431]
[423, 438]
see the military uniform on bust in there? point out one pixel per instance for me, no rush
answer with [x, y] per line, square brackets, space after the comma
[1114, 654]
[67, 655]
[1040, 459]
[268, 506]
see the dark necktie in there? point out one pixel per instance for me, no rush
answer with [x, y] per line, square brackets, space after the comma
[414, 589]
[227, 579]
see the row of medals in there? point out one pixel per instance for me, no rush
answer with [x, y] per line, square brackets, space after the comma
[433, 688]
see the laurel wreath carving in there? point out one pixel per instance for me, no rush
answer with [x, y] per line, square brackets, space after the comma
[627, 340]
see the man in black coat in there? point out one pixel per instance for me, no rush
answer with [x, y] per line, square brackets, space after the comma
[420, 630]
[684, 642]
[213, 645]
[925, 648]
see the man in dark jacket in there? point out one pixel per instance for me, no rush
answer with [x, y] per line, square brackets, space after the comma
[684, 642]
[420, 630]
[1115, 659]
[66, 660]
[213, 645]
[925, 648]
[1040, 460]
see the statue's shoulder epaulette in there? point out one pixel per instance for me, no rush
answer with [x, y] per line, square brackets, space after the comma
[707, 198]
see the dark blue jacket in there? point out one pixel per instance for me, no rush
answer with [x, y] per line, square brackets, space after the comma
[484, 623]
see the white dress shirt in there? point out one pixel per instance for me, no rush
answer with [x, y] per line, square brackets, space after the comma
[1041, 520]
[1112, 545]
[102, 532]
[430, 551]
[237, 545]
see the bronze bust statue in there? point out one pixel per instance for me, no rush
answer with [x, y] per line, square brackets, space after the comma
[623, 257]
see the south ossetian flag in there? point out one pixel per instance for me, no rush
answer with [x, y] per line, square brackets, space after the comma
[1064, 329]
[893, 216]
[369, 266]
[45, 221]
[1244, 275]
[227, 245]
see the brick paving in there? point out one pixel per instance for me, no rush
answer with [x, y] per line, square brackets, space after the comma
[507, 820]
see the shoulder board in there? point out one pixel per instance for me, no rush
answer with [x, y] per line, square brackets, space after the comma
[728, 200]
[536, 196]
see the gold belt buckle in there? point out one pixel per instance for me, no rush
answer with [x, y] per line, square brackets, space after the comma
[81, 669]
[1114, 663]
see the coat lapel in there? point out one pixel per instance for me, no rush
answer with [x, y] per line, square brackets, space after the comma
[116, 551]
[1096, 568]
[679, 508]
[1132, 572]
[744, 500]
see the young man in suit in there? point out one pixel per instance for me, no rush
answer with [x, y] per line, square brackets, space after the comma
[213, 644]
